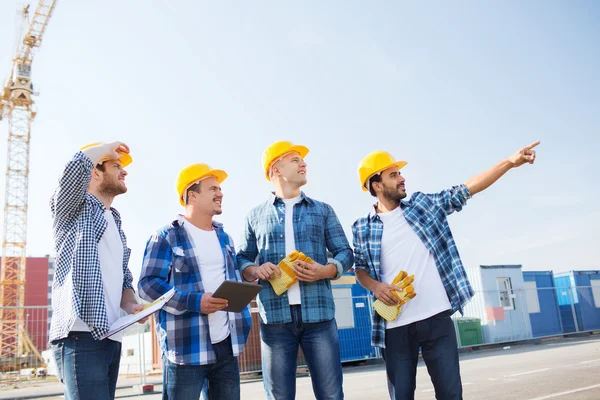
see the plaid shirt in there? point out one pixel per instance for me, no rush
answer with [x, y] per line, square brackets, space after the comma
[78, 224]
[426, 214]
[316, 229]
[183, 332]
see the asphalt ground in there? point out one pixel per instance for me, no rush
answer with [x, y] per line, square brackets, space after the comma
[554, 369]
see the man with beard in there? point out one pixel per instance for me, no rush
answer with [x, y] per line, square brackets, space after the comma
[304, 314]
[92, 281]
[414, 236]
[193, 254]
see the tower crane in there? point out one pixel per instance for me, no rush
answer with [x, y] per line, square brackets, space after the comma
[17, 106]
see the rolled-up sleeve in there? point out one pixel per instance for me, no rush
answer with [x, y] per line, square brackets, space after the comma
[337, 243]
[360, 259]
[248, 249]
[451, 200]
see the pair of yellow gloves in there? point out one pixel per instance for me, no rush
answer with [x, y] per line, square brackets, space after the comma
[288, 276]
[404, 282]
[390, 313]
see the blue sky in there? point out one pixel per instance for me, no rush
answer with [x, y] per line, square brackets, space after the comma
[450, 89]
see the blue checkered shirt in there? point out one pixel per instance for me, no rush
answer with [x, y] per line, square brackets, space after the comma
[316, 230]
[170, 261]
[426, 214]
[78, 224]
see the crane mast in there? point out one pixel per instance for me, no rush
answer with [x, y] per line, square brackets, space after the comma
[17, 106]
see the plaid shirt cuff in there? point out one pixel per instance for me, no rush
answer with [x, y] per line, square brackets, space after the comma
[338, 265]
[464, 190]
[193, 302]
[363, 267]
[243, 268]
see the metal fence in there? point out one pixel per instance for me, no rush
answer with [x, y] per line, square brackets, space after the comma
[22, 359]
[501, 316]
[491, 317]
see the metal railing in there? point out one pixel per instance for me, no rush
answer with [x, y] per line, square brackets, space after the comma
[491, 317]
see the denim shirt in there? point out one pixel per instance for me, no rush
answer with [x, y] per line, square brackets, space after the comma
[316, 230]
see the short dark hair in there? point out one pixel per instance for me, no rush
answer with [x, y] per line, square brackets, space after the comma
[194, 188]
[374, 178]
[101, 167]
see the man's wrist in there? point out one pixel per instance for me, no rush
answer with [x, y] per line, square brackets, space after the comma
[128, 306]
[507, 162]
[331, 271]
[249, 273]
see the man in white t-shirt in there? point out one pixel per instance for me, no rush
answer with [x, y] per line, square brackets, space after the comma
[92, 282]
[194, 255]
[414, 236]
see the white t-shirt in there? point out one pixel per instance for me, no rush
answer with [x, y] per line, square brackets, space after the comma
[290, 245]
[110, 254]
[212, 268]
[402, 249]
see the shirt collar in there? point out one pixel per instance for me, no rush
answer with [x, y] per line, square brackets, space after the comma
[101, 205]
[181, 221]
[273, 198]
[373, 214]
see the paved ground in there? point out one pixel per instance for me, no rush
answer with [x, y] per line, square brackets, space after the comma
[558, 369]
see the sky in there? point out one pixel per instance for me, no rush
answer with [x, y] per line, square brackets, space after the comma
[451, 89]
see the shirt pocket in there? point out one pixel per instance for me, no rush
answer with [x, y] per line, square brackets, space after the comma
[179, 261]
[313, 223]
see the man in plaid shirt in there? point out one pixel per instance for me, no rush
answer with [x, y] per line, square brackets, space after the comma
[304, 314]
[92, 281]
[194, 255]
[414, 236]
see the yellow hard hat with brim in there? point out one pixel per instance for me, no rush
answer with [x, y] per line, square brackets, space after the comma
[124, 158]
[375, 163]
[195, 173]
[277, 150]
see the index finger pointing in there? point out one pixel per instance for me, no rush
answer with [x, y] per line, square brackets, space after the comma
[532, 145]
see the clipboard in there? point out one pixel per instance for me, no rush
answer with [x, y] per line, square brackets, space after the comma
[238, 294]
[128, 320]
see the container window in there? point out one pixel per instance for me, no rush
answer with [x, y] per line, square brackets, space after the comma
[506, 294]
[533, 301]
[595, 284]
[344, 308]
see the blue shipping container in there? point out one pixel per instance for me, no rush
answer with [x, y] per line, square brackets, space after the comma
[579, 292]
[353, 316]
[543, 303]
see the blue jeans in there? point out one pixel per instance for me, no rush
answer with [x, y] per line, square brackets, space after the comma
[183, 382]
[88, 368]
[437, 339]
[320, 345]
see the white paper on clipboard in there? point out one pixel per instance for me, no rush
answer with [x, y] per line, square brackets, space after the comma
[131, 319]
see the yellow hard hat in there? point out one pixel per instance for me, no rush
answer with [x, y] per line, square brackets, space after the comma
[125, 158]
[278, 149]
[373, 164]
[195, 173]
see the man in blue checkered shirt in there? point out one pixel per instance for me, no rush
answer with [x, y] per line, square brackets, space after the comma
[92, 280]
[304, 314]
[414, 236]
[194, 255]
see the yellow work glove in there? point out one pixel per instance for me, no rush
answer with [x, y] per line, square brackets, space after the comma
[404, 282]
[288, 276]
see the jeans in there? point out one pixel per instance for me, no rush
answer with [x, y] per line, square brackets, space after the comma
[320, 345]
[437, 339]
[183, 382]
[88, 368]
